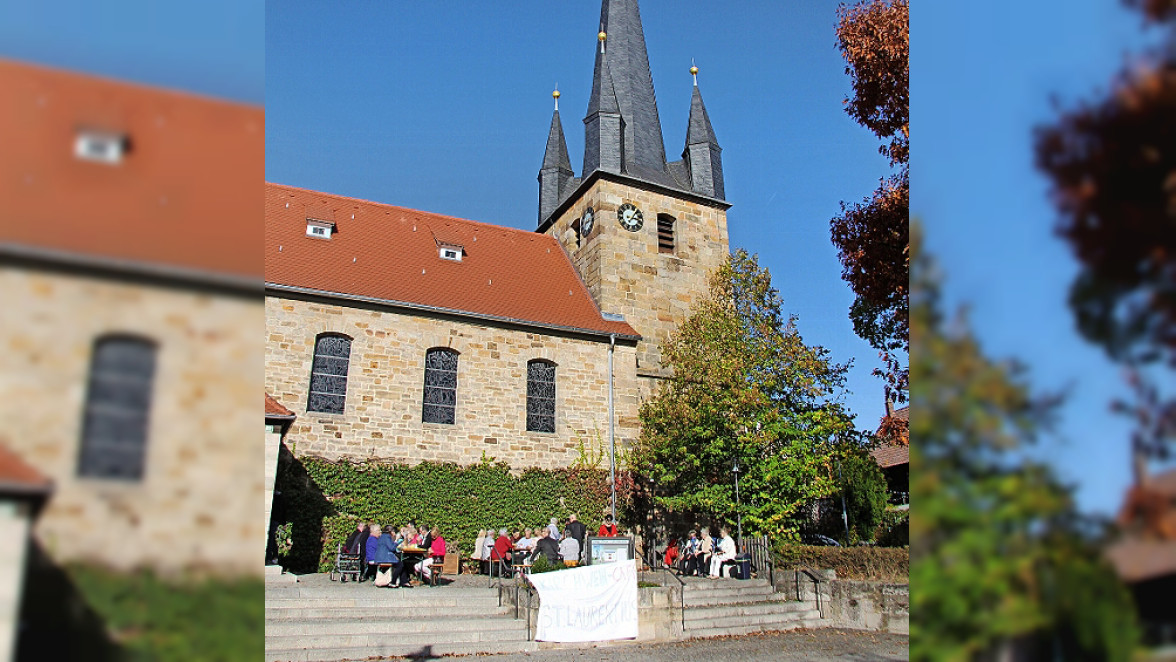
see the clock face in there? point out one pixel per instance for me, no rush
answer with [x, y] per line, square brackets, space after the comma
[630, 217]
[586, 222]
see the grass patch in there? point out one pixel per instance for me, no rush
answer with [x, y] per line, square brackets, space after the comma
[150, 618]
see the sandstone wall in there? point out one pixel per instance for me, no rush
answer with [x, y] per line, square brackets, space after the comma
[382, 415]
[197, 504]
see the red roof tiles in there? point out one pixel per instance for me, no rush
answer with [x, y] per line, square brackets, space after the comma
[889, 456]
[392, 254]
[185, 196]
[17, 477]
[274, 409]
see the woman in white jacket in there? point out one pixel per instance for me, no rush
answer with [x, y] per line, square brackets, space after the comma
[725, 552]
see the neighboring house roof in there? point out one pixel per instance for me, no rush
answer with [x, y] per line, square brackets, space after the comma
[1148, 516]
[889, 455]
[274, 409]
[19, 479]
[182, 201]
[391, 255]
[1137, 559]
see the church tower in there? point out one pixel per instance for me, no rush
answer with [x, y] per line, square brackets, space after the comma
[644, 233]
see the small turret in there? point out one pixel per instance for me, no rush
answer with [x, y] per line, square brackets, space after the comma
[555, 176]
[702, 154]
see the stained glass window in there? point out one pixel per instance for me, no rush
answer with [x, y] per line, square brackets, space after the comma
[440, 401]
[118, 401]
[328, 374]
[540, 396]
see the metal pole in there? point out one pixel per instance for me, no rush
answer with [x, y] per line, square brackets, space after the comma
[612, 438]
[844, 512]
[738, 510]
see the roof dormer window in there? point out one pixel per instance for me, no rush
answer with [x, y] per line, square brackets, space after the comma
[319, 229]
[100, 146]
[451, 253]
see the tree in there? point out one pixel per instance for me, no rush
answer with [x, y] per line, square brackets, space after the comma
[998, 551]
[863, 485]
[872, 237]
[1112, 166]
[745, 387]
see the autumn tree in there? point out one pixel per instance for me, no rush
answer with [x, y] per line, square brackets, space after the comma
[1112, 166]
[745, 387]
[872, 237]
[998, 550]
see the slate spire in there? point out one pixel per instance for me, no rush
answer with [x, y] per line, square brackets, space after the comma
[623, 61]
[555, 176]
[702, 154]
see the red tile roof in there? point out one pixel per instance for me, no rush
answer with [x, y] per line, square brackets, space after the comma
[889, 456]
[17, 477]
[1138, 559]
[392, 254]
[185, 197]
[274, 409]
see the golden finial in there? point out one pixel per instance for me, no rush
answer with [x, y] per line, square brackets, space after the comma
[555, 95]
[602, 35]
[694, 71]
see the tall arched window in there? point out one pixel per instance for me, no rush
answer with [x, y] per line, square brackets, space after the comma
[118, 404]
[440, 400]
[540, 396]
[328, 374]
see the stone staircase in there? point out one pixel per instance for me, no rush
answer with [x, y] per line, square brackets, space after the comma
[316, 619]
[722, 607]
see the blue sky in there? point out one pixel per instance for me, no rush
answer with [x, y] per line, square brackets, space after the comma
[983, 76]
[447, 109]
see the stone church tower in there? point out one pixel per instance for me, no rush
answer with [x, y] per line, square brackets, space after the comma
[644, 233]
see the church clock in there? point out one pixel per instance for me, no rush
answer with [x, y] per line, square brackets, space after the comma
[630, 217]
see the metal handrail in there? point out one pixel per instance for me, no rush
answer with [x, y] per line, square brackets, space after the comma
[666, 571]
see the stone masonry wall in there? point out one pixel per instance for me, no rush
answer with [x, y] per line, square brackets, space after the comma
[627, 274]
[382, 415]
[199, 503]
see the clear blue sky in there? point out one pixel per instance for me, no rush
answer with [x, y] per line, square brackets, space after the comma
[983, 75]
[446, 108]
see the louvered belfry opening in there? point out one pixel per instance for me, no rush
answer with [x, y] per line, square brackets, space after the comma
[665, 233]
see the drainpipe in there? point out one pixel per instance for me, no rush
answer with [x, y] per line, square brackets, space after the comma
[612, 438]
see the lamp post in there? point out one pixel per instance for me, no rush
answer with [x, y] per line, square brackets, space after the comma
[738, 509]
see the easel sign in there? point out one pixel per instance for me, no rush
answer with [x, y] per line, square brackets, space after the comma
[602, 549]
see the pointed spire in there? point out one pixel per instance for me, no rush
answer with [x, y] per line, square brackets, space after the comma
[699, 130]
[622, 67]
[556, 155]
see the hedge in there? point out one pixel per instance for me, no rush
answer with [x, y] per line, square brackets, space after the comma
[890, 564]
[325, 500]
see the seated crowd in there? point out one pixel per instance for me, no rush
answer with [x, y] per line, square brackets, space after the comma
[701, 555]
[390, 556]
[523, 547]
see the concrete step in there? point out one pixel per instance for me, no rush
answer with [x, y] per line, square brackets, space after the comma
[703, 614]
[733, 597]
[746, 629]
[393, 626]
[390, 598]
[705, 584]
[767, 620]
[297, 610]
[374, 643]
[396, 649]
[367, 591]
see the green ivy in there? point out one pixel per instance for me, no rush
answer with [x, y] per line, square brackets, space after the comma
[325, 500]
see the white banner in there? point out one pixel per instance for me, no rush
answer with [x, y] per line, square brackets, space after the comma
[588, 603]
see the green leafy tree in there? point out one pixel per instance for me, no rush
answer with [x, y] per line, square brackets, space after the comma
[863, 485]
[745, 387]
[996, 543]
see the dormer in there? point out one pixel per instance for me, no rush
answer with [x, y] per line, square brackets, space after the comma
[106, 147]
[450, 251]
[319, 229]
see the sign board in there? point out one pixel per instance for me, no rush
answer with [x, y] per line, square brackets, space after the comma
[588, 603]
[602, 549]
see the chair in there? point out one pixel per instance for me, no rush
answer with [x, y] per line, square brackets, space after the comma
[450, 564]
[346, 564]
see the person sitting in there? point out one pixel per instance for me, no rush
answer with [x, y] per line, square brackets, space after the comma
[386, 556]
[503, 548]
[705, 549]
[370, 546]
[726, 552]
[671, 555]
[578, 529]
[569, 548]
[689, 553]
[436, 551]
[608, 529]
[527, 542]
[547, 547]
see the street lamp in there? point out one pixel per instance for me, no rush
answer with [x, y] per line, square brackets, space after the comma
[738, 508]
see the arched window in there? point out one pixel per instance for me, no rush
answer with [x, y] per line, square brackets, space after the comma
[665, 233]
[540, 396]
[440, 400]
[118, 404]
[328, 374]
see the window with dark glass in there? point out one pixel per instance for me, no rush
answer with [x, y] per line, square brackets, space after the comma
[665, 233]
[440, 401]
[118, 404]
[540, 396]
[328, 374]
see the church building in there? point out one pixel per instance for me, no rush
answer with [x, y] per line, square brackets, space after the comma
[406, 336]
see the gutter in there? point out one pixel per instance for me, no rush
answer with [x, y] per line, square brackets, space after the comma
[275, 287]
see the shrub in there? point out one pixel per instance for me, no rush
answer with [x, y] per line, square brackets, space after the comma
[869, 563]
[864, 487]
[895, 529]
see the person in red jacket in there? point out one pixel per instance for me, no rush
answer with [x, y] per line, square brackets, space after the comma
[502, 548]
[608, 529]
